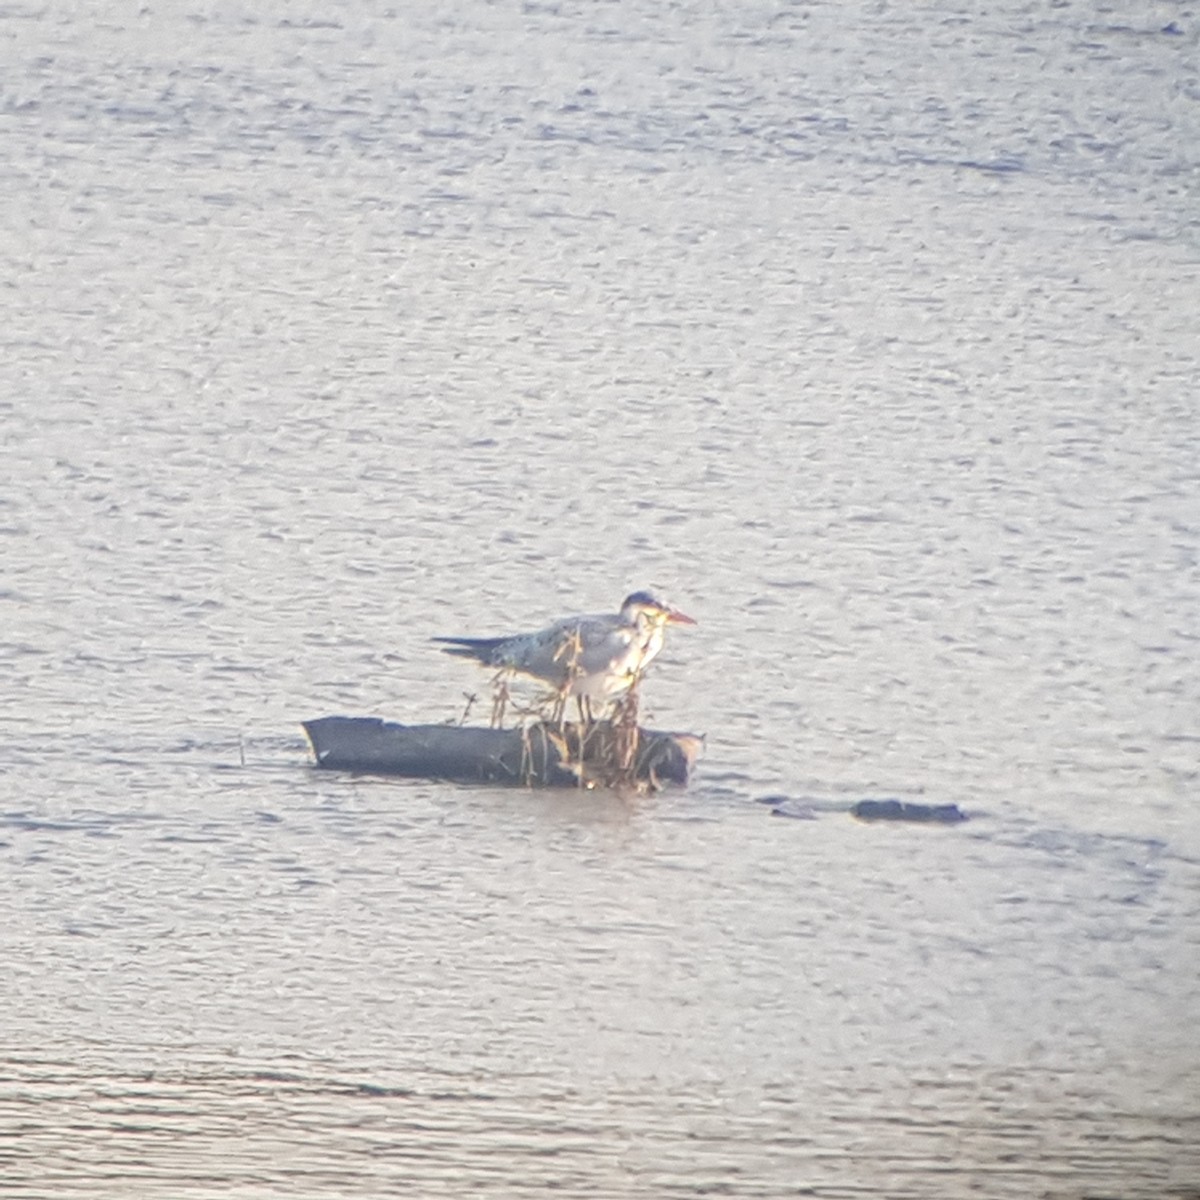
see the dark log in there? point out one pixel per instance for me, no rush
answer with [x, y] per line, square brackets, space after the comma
[540, 756]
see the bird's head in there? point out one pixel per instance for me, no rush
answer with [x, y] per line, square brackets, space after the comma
[645, 606]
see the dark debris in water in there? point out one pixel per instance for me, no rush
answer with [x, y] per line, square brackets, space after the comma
[787, 806]
[799, 808]
[903, 810]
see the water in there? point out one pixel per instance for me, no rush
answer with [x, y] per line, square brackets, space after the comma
[869, 333]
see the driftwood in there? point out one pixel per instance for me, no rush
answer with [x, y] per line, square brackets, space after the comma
[542, 755]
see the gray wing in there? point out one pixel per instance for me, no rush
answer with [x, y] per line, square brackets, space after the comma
[572, 647]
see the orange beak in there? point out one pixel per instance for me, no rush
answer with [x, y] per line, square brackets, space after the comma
[675, 617]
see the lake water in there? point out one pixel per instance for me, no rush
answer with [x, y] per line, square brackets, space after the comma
[869, 332]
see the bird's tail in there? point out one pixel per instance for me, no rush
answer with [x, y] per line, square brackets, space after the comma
[481, 649]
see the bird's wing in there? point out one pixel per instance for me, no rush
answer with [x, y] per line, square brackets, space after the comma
[603, 643]
[569, 648]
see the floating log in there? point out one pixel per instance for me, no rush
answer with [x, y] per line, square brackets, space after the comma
[538, 756]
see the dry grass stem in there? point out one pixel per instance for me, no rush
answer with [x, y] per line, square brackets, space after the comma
[601, 748]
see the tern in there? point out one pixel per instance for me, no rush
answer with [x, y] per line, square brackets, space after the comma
[597, 656]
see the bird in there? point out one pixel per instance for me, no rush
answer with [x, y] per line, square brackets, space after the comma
[592, 656]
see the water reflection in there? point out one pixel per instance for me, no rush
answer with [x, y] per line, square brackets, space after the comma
[331, 335]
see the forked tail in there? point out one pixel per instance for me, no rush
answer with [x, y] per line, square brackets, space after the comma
[483, 650]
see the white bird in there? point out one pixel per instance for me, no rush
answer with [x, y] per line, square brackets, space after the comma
[594, 656]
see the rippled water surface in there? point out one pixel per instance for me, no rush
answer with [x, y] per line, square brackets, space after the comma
[868, 332]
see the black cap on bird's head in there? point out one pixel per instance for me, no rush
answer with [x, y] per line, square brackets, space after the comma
[650, 604]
